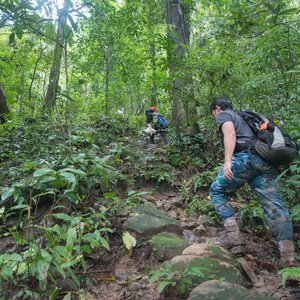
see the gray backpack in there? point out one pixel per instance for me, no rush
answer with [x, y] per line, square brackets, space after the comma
[271, 143]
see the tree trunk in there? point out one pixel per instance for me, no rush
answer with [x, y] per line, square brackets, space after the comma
[34, 73]
[179, 36]
[153, 69]
[108, 54]
[50, 99]
[3, 107]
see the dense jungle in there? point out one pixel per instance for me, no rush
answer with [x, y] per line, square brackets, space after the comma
[89, 207]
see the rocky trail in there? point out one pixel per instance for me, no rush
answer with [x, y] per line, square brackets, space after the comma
[124, 276]
[175, 252]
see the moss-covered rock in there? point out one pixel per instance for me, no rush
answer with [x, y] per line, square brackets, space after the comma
[166, 246]
[211, 268]
[216, 290]
[209, 250]
[149, 220]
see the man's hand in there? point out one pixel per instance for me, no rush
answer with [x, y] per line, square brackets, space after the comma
[227, 170]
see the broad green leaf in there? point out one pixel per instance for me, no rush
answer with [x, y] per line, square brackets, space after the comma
[42, 172]
[2, 210]
[128, 240]
[54, 294]
[72, 262]
[67, 296]
[74, 276]
[11, 257]
[6, 193]
[34, 18]
[290, 272]
[104, 243]
[63, 216]
[288, 11]
[76, 171]
[70, 178]
[42, 267]
[12, 38]
[21, 268]
[72, 234]
[163, 285]
[6, 272]
[18, 31]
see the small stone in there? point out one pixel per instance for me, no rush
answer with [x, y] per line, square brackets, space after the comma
[172, 214]
[179, 211]
[134, 286]
[260, 282]
[200, 230]
[150, 198]
[113, 287]
[202, 219]
[189, 235]
[264, 272]
[144, 280]
[123, 276]
[107, 257]
[147, 297]
[68, 285]
[211, 231]
[167, 206]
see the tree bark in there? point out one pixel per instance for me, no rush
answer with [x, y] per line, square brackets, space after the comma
[50, 99]
[179, 36]
[4, 110]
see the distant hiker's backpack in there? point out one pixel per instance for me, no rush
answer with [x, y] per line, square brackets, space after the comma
[271, 144]
[162, 121]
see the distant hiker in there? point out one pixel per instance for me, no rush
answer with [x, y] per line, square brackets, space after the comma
[158, 123]
[241, 165]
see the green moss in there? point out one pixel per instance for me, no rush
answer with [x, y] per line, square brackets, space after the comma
[164, 239]
[212, 269]
[166, 246]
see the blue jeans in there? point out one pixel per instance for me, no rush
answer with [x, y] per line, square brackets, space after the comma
[261, 177]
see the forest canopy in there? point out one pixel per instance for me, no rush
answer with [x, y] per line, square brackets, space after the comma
[97, 57]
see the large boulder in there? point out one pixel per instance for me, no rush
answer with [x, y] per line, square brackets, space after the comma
[209, 267]
[148, 220]
[216, 290]
[166, 245]
[209, 250]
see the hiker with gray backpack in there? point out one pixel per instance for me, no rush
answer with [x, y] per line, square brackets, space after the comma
[156, 123]
[250, 157]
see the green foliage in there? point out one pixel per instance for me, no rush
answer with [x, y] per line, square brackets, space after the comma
[295, 212]
[192, 143]
[79, 153]
[204, 180]
[289, 272]
[252, 215]
[170, 278]
[55, 251]
[204, 206]
[153, 168]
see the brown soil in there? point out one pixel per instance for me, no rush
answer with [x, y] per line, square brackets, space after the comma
[125, 277]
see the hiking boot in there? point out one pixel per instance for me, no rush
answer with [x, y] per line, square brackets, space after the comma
[287, 254]
[231, 239]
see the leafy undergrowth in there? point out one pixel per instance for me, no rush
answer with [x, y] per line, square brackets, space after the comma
[62, 188]
[65, 191]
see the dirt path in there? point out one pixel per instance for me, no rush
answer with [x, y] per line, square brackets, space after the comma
[127, 278]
